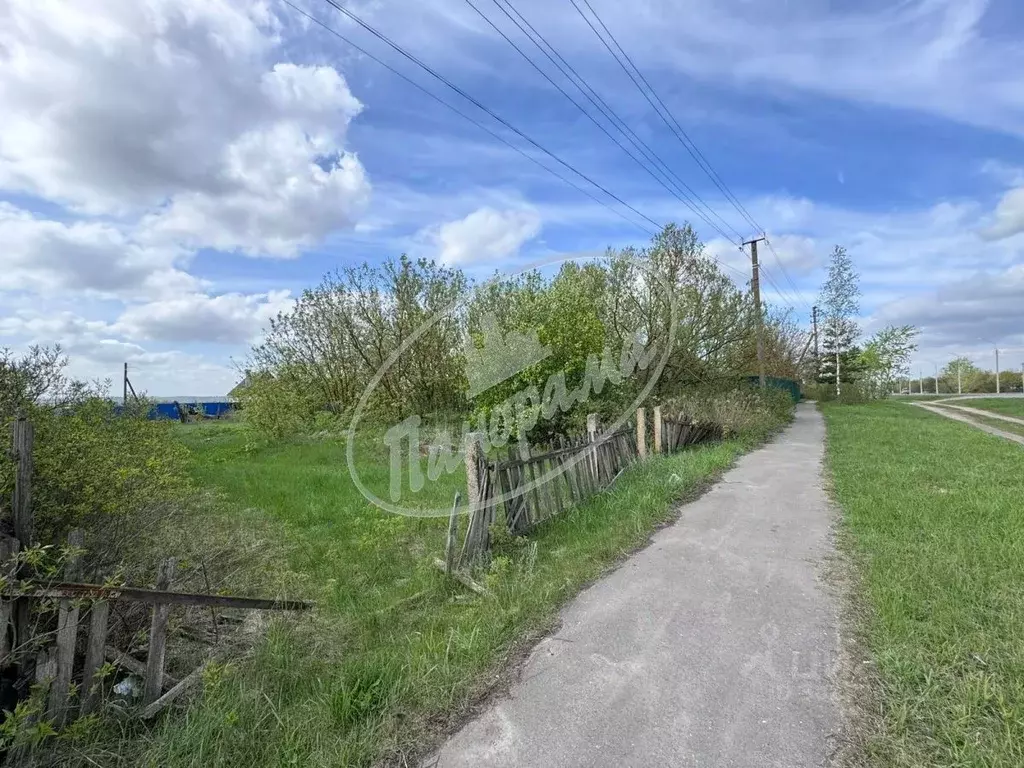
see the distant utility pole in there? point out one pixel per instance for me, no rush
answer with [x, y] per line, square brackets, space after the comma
[959, 382]
[997, 370]
[124, 395]
[755, 286]
[1022, 377]
[936, 377]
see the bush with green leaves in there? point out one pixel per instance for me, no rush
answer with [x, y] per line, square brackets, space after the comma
[112, 474]
[744, 411]
[278, 406]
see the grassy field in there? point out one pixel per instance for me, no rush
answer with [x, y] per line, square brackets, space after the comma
[933, 512]
[1005, 426]
[1009, 406]
[395, 653]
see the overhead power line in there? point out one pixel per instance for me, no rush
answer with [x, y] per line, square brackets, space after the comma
[399, 49]
[462, 114]
[483, 127]
[673, 124]
[663, 111]
[601, 106]
[785, 275]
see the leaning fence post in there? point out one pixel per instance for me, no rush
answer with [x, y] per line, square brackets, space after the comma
[451, 544]
[158, 637]
[658, 427]
[474, 487]
[67, 634]
[641, 433]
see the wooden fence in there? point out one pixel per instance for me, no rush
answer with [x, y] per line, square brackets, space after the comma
[535, 487]
[51, 658]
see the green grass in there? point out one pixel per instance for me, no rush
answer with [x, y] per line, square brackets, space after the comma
[932, 509]
[394, 651]
[1009, 406]
[1005, 426]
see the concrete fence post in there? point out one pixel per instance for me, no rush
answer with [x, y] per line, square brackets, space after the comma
[641, 433]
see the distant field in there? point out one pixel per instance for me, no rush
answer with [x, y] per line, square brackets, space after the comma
[395, 650]
[933, 509]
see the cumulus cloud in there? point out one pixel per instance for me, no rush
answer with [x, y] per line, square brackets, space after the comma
[175, 109]
[967, 316]
[228, 318]
[95, 352]
[485, 235]
[1009, 216]
[51, 256]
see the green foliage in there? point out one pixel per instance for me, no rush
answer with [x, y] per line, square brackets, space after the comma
[432, 338]
[92, 467]
[750, 412]
[278, 406]
[347, 329]
[885, 356]
[112, 475]
[389, 653]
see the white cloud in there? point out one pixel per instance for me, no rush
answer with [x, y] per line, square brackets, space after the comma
[84, 256]
[95, 352]
[176, 109]
[1009, 216]
[486, 235]
[934, 56]
[228, 318]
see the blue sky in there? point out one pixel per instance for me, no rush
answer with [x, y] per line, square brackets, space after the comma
[173, 173]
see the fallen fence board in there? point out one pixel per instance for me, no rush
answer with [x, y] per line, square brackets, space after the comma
[153, 597]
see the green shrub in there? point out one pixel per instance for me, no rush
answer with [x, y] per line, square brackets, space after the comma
[278, 406]
[744, 411]
[851, 393]
[111, 475]
[114, 475]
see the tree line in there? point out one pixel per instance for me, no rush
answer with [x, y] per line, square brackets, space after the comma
[428, 340]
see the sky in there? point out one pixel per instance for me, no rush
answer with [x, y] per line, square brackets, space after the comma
[173, 173]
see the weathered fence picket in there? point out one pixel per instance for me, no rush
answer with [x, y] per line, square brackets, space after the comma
[53, 664]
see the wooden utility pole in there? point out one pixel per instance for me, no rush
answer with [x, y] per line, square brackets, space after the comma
[124, 388]
[755, 286]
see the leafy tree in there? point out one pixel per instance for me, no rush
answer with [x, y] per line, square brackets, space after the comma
[961, 373]
[886, 355]
[840, 297]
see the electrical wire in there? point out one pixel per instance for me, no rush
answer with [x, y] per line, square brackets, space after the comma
[399, 49]
[678, 194]
[677, 129]
[462, 93]
[573, 76]
[462, 114]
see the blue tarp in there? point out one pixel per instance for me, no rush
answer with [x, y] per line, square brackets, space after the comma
[170, 410]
